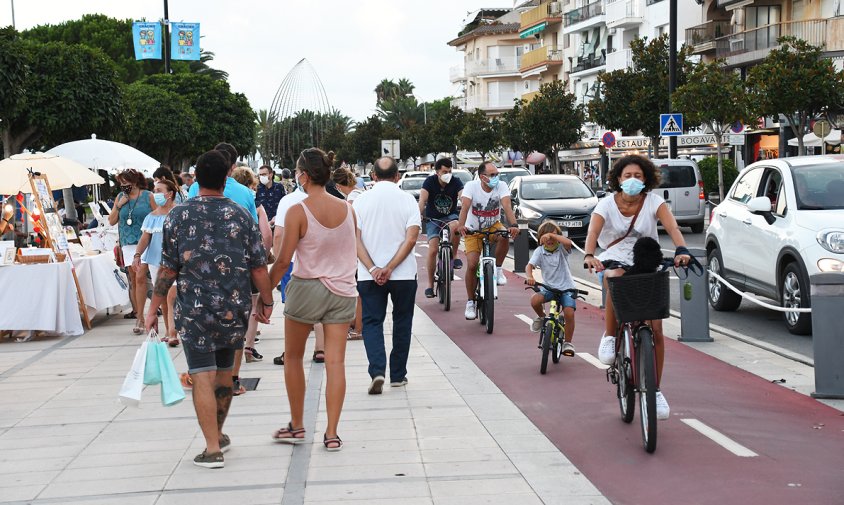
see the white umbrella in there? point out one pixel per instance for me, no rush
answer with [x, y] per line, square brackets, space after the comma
[105, 154]
[812, 140]
[61, 172]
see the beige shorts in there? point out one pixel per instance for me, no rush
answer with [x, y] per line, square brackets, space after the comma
[310, 302]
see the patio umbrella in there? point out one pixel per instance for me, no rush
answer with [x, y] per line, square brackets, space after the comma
[812, 140]
[105, 154]
[61, 172]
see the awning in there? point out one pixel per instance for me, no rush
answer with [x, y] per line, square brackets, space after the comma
[812, 140]
[533, 30]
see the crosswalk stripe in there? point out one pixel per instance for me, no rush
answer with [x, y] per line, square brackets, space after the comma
[720, 439]
[524, 318]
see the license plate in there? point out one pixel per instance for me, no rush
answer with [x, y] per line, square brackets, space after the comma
[572, 224]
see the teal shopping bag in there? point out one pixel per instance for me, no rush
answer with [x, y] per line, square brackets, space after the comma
[152, 370]
[171, 389]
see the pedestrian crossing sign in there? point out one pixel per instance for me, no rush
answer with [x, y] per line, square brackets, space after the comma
[670, 125]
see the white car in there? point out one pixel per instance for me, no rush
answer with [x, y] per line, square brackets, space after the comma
[780, 223]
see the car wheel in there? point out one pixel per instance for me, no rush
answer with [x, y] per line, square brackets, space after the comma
[697, 227]
[721, 297]
[794, 293]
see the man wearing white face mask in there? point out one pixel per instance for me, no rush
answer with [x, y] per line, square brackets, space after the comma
[269, 192]
[438, 200]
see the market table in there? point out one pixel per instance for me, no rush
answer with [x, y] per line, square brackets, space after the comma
[39, 297]
[102, 284]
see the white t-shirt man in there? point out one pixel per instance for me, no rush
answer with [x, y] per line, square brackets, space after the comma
[616, 225]
[486, 207]
[285, 204]
[384, 213]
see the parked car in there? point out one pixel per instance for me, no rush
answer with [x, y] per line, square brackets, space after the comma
[564, 199]
[412, 174]
[508, 174]
[412, 185]
[682, 187]
[367, 181]
[464, 175]
[781, 222]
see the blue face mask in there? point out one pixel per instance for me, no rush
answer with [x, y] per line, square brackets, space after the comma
[493, 182]
[160, 199]
[632, 186]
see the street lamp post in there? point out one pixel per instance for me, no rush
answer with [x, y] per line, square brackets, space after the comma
[672, 68]
[13, 13]
[166, 39]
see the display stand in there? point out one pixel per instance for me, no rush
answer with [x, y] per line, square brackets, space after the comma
[54, 232]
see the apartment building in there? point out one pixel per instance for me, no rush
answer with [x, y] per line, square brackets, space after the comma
[540, 30]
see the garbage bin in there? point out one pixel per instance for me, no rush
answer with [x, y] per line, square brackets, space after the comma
[694, 302]
[828, 334]
[521, 247]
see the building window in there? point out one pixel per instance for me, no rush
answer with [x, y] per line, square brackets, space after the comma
[566, 41]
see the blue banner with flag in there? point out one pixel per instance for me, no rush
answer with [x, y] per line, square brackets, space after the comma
[147, 38]
[184, 41]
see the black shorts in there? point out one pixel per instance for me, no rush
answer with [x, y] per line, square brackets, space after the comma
[219, 360]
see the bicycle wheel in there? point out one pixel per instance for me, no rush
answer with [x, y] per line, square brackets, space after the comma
[624, 386]
[489, 291]
[557, 344]
[445, 279]
[646, 375]
[547, 337]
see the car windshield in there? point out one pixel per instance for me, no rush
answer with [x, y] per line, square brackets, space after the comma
[554, 189]
[819, 187]
[509, 175]
[677, 176]
[412, 183]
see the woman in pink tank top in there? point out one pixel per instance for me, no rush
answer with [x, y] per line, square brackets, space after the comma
[321, 230]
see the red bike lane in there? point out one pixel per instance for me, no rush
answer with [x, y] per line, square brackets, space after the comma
[793, 445]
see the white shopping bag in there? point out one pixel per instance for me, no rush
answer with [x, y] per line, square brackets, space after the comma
[133, 384]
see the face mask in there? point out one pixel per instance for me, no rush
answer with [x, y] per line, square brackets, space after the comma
[446, 178]
[493, 182]
[552, 248]
[264, 179]
[298, 184]
[160, 199]
[126, 188]
[632, 186]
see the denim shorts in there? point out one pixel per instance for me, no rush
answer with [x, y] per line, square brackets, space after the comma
[567, 299]
[219, 360]
[432, 228]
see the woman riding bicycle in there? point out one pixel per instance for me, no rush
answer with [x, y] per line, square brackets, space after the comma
[617, 222]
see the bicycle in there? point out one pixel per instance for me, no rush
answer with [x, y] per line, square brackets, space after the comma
[486, 290]
[444, 273]
[553, 325]
[638, 299]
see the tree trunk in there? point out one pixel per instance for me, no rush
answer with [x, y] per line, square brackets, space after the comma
[655, 146]
[719, 141]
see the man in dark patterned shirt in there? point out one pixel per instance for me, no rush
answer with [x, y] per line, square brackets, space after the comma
[213, 247]
[269, 192]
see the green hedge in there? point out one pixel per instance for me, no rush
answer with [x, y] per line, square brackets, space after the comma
[709, 171]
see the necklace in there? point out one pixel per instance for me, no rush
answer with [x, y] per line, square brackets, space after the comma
[132, 209]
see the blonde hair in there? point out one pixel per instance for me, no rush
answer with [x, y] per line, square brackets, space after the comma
[244, 176]
[548, 227]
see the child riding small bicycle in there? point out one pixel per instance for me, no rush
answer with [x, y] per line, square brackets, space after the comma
[551, 257]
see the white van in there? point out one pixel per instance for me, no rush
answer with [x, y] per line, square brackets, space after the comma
[682, 187]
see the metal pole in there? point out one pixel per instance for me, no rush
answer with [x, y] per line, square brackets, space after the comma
[672, 67]
[167, 38]
[425, 111]
[13, 13]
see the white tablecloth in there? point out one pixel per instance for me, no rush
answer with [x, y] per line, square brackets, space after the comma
[39, 297]
[99, 284]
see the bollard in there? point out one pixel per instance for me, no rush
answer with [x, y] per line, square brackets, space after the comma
[521, 247]
[827, 291]
[694, 303]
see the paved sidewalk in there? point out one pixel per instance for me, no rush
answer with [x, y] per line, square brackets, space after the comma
[449, 437]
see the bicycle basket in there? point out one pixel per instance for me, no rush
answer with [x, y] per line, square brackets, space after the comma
[640, 297]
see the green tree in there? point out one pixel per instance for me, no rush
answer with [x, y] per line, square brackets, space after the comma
[512, 129]
[552, 120]
[713, 174]
[67, 91]
[264, 130]
[160, 123]
[695, 100]
[364, 143]
[415, 142]
[795, 81]
[612, 108]
[480, 134]
[14, 73]
[445, 130]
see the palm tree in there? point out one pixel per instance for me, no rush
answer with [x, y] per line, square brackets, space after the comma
[201, 66]
[265, 124]
[405, 87]
[386, 90]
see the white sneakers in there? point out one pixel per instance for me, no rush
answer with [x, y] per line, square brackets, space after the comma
[536, 325]
[500, 275]
[470, 312]
[662, 410]
[606, 349]
[568, 349]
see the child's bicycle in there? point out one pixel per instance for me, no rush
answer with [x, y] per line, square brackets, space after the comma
[553, 325]
[486, 289]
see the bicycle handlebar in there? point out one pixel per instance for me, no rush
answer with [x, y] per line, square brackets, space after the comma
[503, 233]
[559, 292]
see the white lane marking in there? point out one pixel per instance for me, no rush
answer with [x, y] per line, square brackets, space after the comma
[720, 439]
[457, 278]
[524, 318]
[592, 360]
[423, 244]
[417, 254]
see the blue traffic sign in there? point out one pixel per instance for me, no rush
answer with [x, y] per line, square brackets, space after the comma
[670, 125]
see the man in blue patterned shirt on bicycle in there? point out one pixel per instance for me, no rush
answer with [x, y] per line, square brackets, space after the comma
[552, 260]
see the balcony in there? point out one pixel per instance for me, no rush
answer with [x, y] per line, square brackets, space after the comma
[619, 60]
[459, 102]
[702, 37]
[651, 2]
[457, 73]
[528, 97]
[494, 66]
[547, 14]
[488, 103]
[624, 14]
[584, 17]
[754, 45]
[547, 55]
[589, 64]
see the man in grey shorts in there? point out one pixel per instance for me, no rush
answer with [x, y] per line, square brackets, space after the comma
[213, 247]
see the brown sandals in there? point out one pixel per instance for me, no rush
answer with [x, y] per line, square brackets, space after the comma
[289, 435]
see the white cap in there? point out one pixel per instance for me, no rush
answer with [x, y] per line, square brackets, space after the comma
[192, 170]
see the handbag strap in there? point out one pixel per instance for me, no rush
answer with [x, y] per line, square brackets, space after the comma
[632, 223]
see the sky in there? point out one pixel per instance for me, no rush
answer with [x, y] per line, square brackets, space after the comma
[352, 44]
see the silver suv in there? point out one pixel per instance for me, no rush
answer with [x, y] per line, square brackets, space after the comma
[682, 187]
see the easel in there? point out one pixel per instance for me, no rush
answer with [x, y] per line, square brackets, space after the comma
[51, 224]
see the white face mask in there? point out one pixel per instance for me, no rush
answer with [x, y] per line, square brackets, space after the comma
[264, 179]
[446, 178]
